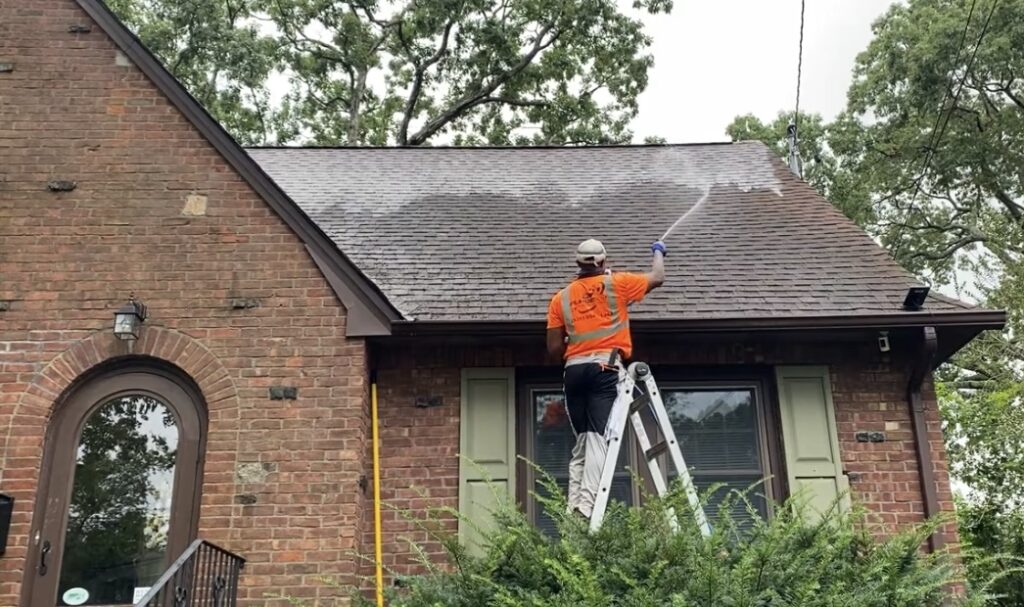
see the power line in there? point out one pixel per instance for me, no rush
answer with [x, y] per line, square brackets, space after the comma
[934, 138]
[799, 66]
[938, 132]
[793, 130]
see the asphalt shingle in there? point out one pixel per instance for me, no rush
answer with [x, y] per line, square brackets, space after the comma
[490, 233]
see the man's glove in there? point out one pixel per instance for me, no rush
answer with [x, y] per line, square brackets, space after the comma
[659, 247]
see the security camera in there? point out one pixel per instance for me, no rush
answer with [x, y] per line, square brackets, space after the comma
[883, 341]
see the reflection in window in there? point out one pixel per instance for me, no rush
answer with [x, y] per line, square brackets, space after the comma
[119, 516]
[718, 431]
[553, 441]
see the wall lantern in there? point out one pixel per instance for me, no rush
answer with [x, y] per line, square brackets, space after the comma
[128, 320]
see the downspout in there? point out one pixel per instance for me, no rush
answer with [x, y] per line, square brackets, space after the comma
[919, 370]
[377, 547]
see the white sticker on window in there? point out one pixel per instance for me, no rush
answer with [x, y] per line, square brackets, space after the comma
[139, 593]
[76, 596]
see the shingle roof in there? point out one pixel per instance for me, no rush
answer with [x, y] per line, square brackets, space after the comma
[489, 233]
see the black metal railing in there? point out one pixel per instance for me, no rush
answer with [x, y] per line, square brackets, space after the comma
[203, 576]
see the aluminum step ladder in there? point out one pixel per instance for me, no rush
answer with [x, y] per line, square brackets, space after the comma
[629, 403]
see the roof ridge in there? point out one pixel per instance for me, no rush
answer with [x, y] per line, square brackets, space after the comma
[502, 147]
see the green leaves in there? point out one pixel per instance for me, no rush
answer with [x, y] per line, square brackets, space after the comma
[936, 174]
[217, 50]
[635, 560]
[360, 72]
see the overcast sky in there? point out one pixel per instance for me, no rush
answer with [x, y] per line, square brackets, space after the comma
[715, 59]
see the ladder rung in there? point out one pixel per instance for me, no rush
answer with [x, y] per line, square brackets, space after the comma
[656, 450]
[639, 403]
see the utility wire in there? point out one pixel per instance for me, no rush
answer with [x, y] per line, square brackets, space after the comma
[938, 132]
[916, 181]
[934, 137]
[799, 67]
[793, 129]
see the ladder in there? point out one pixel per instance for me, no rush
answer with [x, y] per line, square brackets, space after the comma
[638, 375]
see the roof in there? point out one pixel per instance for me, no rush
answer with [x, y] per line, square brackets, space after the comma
[369, 312]
[488, 234]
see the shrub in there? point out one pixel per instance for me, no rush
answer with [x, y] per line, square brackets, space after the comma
[635, 560]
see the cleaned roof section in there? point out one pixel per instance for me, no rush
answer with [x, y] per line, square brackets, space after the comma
[489, 234]
[369, 312]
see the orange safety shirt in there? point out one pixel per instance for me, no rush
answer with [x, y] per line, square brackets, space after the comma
[593, 311]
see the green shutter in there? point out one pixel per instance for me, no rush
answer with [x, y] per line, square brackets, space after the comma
[813, 462]
[487, 438]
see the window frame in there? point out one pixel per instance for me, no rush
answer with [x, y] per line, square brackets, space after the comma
[760, 379]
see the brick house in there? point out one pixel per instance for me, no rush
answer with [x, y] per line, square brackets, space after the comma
[278, 282]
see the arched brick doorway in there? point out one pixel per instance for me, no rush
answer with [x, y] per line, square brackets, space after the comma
[119, 489]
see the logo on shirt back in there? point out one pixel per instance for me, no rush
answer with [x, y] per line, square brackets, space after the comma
[584, 307]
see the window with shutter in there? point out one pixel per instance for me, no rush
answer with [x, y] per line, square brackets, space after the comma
[722, 426]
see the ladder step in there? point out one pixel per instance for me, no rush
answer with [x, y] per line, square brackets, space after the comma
[656, 450]
[639, 403]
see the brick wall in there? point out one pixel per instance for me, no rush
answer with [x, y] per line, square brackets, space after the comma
[419, 447]
[159, 213]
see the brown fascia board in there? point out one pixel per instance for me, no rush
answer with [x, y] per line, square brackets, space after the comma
[956, 328]
[369, 312]
[981, 320]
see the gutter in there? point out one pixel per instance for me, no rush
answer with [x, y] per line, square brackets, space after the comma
[980, 320]
[925, 465]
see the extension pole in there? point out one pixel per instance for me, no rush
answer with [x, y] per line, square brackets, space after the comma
[378, 552]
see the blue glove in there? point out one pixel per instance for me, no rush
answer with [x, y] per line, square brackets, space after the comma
[659, 247]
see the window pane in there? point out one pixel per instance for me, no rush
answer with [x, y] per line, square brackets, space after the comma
[119, 517]
[553, 441]
[718, 431]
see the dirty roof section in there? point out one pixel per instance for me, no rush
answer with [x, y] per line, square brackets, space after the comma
[452, 234]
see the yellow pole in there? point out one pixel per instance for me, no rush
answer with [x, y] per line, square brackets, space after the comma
[376, 498]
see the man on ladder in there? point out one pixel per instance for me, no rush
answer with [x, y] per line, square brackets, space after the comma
[588, 326]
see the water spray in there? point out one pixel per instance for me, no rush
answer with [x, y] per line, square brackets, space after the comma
[690, 211]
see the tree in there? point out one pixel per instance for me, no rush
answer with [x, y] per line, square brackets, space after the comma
[932, 140]
[407, 72]
[217, 51]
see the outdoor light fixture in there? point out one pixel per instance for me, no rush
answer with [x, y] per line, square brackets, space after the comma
[128, 320]
[915, 298]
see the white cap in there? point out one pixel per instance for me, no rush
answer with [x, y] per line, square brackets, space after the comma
[591, 252]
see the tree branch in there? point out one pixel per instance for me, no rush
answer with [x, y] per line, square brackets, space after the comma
[418, 76]
[950, 250]
[516, 102]
[1009, 93]
[1015, 210]
[480, 95]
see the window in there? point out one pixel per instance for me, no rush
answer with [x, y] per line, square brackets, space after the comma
[721, 423]
[720, 432]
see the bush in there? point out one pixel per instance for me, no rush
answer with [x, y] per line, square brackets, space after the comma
[636, 561]
[993, 538]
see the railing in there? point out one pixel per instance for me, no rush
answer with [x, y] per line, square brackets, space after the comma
[203, 576]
